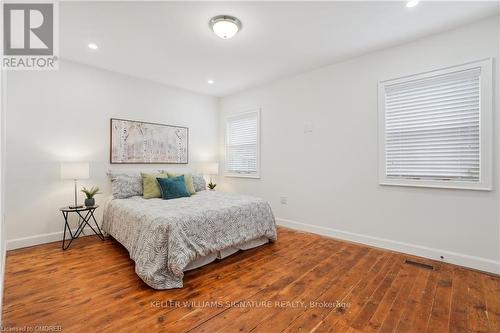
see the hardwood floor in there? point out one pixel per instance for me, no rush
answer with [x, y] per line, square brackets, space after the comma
[302, 283]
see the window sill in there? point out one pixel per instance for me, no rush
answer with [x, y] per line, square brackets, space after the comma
[458, 185]
[241, 175]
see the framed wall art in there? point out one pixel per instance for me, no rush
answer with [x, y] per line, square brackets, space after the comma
[138, 142]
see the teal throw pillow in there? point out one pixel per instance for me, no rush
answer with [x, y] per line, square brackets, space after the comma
[173, 187]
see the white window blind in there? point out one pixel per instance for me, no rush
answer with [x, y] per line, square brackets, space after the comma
[432, 127]
[242, 145]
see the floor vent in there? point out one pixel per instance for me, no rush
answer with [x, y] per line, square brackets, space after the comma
[419, 264]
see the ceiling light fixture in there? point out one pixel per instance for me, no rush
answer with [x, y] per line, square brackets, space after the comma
[210, 81]
[412, 3]
[92, 46]
[225, 26]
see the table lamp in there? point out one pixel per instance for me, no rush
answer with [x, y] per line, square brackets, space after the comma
[75, 171]
[211, 169]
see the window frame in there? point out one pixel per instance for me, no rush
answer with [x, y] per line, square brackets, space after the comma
[226, 120]
[485, 130]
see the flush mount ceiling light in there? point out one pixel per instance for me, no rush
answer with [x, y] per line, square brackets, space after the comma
[412, 3]
[225, 26]
[210, 81]
[92, 46]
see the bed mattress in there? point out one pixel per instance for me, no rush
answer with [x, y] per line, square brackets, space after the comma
[164, 236]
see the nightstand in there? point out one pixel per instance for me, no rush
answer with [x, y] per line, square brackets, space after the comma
[85, 217]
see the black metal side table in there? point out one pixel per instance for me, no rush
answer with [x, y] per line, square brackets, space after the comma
[85, 215]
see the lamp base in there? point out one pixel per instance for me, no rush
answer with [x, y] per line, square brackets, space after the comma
[75, 207]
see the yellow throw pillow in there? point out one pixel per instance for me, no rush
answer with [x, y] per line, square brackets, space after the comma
[150, 186]
[188, 180]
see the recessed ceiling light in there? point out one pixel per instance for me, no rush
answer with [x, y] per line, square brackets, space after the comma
[225, 26]
[210, 81]
[412, 3]
[92, 46]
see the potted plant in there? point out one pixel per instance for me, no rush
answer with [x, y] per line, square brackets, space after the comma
[89, 193]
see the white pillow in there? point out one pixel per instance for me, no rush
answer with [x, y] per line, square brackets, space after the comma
[125, 185]
[199, 183]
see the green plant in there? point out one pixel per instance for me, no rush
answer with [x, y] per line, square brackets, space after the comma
[211, 185]
[91, 192]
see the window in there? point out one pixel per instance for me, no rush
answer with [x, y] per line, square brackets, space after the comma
[242, 145]
[435, 129]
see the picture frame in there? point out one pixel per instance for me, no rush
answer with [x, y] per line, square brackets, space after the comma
[140, 142]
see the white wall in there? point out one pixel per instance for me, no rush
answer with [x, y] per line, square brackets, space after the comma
[63, 115]
[2, 190]
[330, 175]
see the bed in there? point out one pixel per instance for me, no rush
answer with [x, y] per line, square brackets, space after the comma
[167, 237]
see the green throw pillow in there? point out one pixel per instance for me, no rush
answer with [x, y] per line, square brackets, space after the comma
[150, 186]
[188, 179]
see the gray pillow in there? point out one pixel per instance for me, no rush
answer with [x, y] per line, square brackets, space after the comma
[199, 183]
[125, 186]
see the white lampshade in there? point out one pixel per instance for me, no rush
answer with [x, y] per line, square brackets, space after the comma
[74, 170]
[211, 168]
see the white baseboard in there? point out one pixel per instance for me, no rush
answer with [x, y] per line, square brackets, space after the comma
[479, 263]
[18, 243]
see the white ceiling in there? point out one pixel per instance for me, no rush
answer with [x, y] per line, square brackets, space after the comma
[171, 43]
